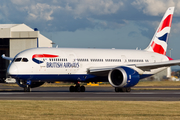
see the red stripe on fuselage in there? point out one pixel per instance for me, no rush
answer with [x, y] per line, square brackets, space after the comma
[44, 56]
[166, 22]
[158, 48]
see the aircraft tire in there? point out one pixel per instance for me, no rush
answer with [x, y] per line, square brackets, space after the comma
[117, 89]
[128, 89]
[123, 89]
[83, 89]
[72, 89]
[27, 89]
[77, 89]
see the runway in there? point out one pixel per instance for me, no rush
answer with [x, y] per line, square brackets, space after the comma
[92, 93]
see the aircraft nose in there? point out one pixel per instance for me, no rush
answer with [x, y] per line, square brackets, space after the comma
[12, 70]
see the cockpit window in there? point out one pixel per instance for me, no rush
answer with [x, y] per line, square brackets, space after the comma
[18, 59]
[24, 60]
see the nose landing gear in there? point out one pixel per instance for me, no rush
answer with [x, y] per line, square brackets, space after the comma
[27, 88]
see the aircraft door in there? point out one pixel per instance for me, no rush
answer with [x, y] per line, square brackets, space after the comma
[123, 58]
[42, 64]
[73, 63]
[39, 64]
[153, 59]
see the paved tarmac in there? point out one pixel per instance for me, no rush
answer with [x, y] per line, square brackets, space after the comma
[92, 93]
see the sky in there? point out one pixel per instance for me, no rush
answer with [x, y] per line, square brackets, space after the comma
[119, 24]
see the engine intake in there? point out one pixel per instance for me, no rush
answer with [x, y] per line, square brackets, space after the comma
[123, 77]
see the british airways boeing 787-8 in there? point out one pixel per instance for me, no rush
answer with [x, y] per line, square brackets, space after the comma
[121, 68]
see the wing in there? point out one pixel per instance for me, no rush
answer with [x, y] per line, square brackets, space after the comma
[149, 66]
[102, 71]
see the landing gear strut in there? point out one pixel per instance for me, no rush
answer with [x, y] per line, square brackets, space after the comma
[77, 88]
[128, 89]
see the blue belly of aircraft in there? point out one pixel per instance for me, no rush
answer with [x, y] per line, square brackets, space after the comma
[67, 78]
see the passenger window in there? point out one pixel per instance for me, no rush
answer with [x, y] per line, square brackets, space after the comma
[24, 60]
[18, 59]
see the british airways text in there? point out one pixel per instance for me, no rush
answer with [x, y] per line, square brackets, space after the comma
[62, 65]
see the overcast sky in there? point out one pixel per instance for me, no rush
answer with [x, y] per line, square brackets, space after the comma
[95, 23]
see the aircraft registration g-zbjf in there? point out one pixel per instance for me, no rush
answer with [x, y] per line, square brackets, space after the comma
[122, 68]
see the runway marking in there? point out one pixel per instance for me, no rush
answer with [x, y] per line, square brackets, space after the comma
[10, 93]
[139, 93]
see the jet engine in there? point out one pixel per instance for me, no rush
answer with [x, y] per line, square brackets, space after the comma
[123, 77]
[33, 84]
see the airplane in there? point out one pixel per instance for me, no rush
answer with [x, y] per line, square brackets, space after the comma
[122, 68]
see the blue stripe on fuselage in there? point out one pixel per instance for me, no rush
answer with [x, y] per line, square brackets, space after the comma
[67, 78]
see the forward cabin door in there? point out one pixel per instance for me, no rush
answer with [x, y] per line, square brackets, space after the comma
[73, 63]
[42, 66]
[153, 59]
[123, 59]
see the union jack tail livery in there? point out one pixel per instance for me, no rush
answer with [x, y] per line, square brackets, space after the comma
[159, 41]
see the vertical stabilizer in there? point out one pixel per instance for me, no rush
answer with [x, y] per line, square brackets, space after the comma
[159, 41]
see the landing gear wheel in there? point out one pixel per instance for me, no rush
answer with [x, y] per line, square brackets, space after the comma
[82, 89]
[77, 89]
[123, 89]
[117, 89]
[25, 89]
[128, 89]
[72, 89]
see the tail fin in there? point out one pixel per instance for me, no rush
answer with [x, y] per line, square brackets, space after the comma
[159, 41]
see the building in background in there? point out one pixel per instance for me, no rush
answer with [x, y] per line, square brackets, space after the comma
[18, 37]
[163, 75]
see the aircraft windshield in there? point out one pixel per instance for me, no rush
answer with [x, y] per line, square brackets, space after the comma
[21, 60]
[18, 59]
[24, 60]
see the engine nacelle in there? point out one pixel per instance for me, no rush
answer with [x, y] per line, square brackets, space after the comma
[123, 77]
[33, 84]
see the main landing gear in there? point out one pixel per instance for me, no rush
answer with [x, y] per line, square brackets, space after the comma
[77, 88]
[128, 89]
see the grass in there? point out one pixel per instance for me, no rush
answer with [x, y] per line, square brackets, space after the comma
[89, 110]
[158, 83]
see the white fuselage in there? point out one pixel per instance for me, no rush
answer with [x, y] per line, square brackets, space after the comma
[77, 61]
